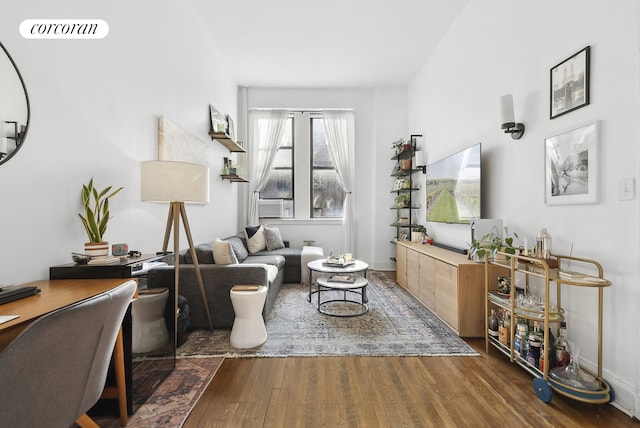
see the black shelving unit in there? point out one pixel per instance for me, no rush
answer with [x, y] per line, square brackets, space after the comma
[404, 169]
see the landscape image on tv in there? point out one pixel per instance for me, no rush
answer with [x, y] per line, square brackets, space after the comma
[453, 187]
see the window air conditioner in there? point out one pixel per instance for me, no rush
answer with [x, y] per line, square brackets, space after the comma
[270, 208]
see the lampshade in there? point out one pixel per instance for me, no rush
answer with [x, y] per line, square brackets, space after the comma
[506, 108]
[171, 181]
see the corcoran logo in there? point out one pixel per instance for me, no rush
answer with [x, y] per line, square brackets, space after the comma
[64, 29]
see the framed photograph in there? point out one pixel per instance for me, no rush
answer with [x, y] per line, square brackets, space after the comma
[230, 129]
[218, 121]
[570, 84]
[571, 166]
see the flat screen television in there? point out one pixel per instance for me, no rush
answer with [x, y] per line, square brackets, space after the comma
[454, 187]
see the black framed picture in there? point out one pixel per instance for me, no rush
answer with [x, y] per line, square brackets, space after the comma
[569, 84]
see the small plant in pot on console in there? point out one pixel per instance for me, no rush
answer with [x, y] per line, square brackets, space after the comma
[96, 217]
[491, 243]
[418, 233]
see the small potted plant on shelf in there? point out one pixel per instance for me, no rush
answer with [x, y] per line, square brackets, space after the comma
[403, 200]
[96, 217]
[491, 243]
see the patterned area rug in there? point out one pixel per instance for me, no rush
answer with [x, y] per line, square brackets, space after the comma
[173, 399]
[395, 325]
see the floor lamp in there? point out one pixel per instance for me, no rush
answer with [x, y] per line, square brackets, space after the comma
[177, 183]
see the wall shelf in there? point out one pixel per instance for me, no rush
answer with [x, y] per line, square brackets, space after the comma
[226, 141]
[235, 178]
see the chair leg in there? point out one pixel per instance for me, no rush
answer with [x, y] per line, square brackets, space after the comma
[120, 390]
[86, 422]
[118, 354]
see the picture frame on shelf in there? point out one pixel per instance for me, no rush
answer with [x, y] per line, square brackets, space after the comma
[571, 166]
[218, 121]
[230, 128]
[569, 83]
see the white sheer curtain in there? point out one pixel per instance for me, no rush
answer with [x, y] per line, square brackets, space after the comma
[339, 129]
[266, 129]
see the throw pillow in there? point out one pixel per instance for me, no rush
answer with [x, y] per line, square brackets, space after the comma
[237, 243]
[255, 239]
[223, 253]
[273, 238]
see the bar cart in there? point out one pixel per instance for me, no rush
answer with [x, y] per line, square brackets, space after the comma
[554, 274]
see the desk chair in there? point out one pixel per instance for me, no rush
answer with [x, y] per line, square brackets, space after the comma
[55, 370]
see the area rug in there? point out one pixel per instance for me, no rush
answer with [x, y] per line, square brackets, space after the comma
[395, 325]
[174, 398]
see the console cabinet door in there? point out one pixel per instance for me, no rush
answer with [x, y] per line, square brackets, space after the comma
[401, 265]
[447, 293]
[427, 278]
[413, 272]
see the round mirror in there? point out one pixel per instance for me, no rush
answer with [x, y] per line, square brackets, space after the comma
[14, 107]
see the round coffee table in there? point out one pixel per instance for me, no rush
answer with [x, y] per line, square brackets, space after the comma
[321, 266]
[357, 287]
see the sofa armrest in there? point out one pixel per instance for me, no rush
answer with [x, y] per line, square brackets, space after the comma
[218, 281]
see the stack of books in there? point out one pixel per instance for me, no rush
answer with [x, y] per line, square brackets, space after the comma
[342, 278]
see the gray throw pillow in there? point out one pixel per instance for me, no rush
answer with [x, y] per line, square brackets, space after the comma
[273, 238]
[238, 247]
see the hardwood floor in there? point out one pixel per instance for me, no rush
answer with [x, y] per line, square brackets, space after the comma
[387, 392]
[484, 391]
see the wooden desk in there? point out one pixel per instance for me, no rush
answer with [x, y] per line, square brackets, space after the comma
[55, 294]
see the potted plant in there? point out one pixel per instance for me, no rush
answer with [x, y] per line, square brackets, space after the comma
[96, 217]
[491, 243]
[403, 200]
[418, 232]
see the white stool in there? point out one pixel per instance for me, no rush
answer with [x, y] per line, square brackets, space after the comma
[309, 254]
[248, 328]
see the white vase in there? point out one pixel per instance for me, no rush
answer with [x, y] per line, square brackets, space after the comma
[96, 249]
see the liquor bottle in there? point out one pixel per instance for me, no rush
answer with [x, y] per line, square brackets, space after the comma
[548, 355]
[562, 347]
[504, 329]
[493, 325]
[535, 342]
[520, 338]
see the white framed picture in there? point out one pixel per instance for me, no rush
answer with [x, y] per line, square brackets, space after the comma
[571, 166]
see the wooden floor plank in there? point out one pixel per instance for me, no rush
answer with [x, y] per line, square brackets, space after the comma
[387, 392]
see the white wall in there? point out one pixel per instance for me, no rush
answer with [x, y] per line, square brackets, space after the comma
[94, 109]
[380, 119]
[507, 46]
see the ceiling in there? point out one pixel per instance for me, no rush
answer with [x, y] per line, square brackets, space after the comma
[332, 43]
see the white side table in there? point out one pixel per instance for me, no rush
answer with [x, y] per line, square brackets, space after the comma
[248, 327]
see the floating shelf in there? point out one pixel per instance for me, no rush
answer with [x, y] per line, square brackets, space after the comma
[235, 178]
[226, 141]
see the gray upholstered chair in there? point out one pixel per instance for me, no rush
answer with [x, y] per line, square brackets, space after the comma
[55, 370]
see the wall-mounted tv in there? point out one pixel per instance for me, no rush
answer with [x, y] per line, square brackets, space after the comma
[454, 187]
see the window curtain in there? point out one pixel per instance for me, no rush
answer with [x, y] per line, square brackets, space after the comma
[266, 129]
[339, 131]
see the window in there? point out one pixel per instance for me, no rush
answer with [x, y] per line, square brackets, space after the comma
[327, 195]
[303, 176]
[280, 183]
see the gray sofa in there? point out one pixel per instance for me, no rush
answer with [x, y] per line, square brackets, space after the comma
[268, 268]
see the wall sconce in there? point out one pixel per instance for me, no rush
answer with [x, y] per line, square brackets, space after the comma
[508, 118]
[419, 161]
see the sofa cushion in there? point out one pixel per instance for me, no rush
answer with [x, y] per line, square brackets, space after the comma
[272, 259]
[273, 238]
[204, 253]
[255, 238]
[223, 253]
[237, 243]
